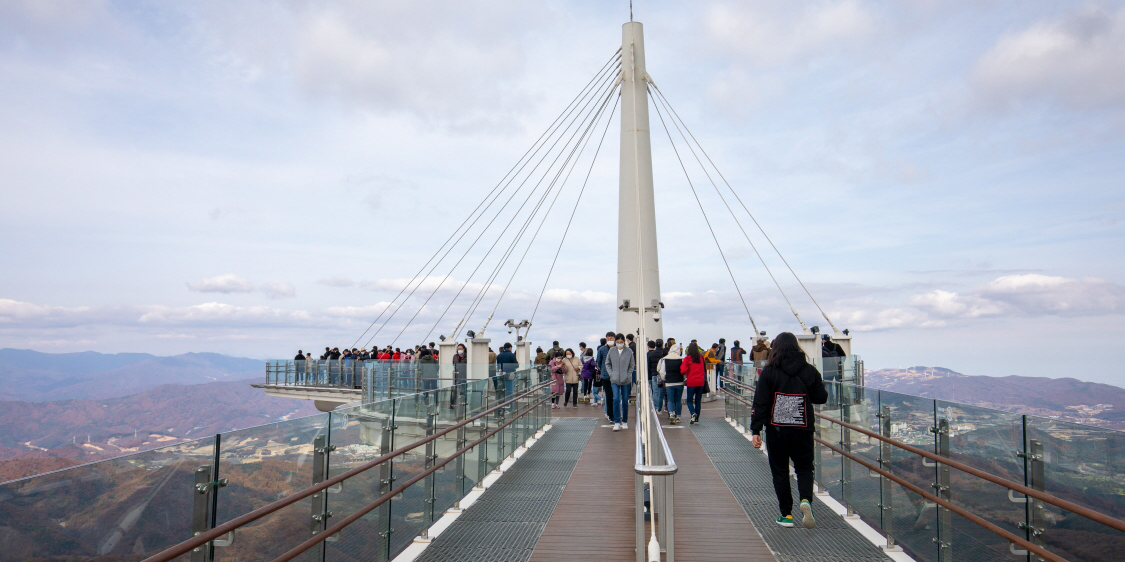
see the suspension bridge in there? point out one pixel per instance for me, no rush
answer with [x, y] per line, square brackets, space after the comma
[468, 462]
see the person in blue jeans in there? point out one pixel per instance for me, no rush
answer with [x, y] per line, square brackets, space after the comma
[619, 365]
[508, 365]
[694, 370]
[673, 382]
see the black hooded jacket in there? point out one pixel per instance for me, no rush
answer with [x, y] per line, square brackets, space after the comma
[785, 394]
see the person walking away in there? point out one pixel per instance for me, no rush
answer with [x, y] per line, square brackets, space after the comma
[540, 363]
[571, 377]
[833, 355]
[588, 374]
[299, 364]
[555, 350]
[674, 382]
[603, 375]
[507, 365]
[737, 356]
[632, 347]
[721, 366]
[558, 384]
[759, 353]
[620, 364]
[459, 368]
[655, 382]
[695, 378]
[428, 367]
[783, 406]
[585, 388]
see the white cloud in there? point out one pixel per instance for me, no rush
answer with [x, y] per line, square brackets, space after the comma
[427, 285]
[223, 314]
[764, 33]
[227, 283]
[567, 296]
[458, 71]
[278, 290]
[1078, 60]
[337, 282]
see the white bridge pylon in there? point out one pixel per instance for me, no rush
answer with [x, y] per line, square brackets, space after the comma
[638, 265]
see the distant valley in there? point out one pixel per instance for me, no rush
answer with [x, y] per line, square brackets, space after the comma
[58, 410]
[1066, 399]
[39, 377]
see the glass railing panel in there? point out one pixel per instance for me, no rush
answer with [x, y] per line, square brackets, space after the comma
[829, 464]
[1084, 465]
[447, 481]
[359, 435]
[263, 464]
[122, 508]
[913, 521]
[415, 419]
[991, 441]
[862, 489]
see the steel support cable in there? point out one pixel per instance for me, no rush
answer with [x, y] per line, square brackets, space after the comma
[551, 207]
[567, 113]
[573, 212]
[667, 106]
[546, 134]
[756, 223]
[972, 517]
[578, 147]
[518, 236]
[205, 537]
[583, 140]
[707, 220]
[588, 98]
[491, 222]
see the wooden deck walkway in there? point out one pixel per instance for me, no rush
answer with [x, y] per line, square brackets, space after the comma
[594, 519]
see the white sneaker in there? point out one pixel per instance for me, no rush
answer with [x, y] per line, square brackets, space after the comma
[617, 427]
[624, 426]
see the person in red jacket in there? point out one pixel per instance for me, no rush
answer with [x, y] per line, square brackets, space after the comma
[694, 369]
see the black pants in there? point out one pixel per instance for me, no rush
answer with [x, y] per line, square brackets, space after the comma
[788, 444]
[571, 390]
[586, 386]
[607, 391]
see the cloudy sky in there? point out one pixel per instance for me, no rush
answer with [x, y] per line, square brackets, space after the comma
[255, 177]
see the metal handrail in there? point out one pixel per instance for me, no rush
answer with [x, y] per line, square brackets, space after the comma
[1015, 486]
[1030, 492]
[182, 548]
[639, 464]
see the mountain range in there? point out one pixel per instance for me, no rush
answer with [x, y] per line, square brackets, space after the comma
[33, 376]
[1066, 399]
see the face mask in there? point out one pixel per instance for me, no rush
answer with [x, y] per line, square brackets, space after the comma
[568, 355]
[620, 345]
[460, 352]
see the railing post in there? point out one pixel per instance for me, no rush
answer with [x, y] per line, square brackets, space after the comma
[1038, 511]
[431, 457]
[200, 522]
[886, 500]
[462, 408]
[320, 511]
[846, 444]
[944, 539]
[482, 458]
[639, 506]
[386, 484]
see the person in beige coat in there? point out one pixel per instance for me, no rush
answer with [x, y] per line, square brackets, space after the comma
[572, 376]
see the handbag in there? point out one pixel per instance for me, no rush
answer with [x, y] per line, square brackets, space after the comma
[660, 369]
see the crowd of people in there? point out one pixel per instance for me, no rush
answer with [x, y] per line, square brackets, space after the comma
[387, 353]
[605, 376]
[787, 387]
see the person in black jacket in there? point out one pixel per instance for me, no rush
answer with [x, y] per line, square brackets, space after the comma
[783, 399]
